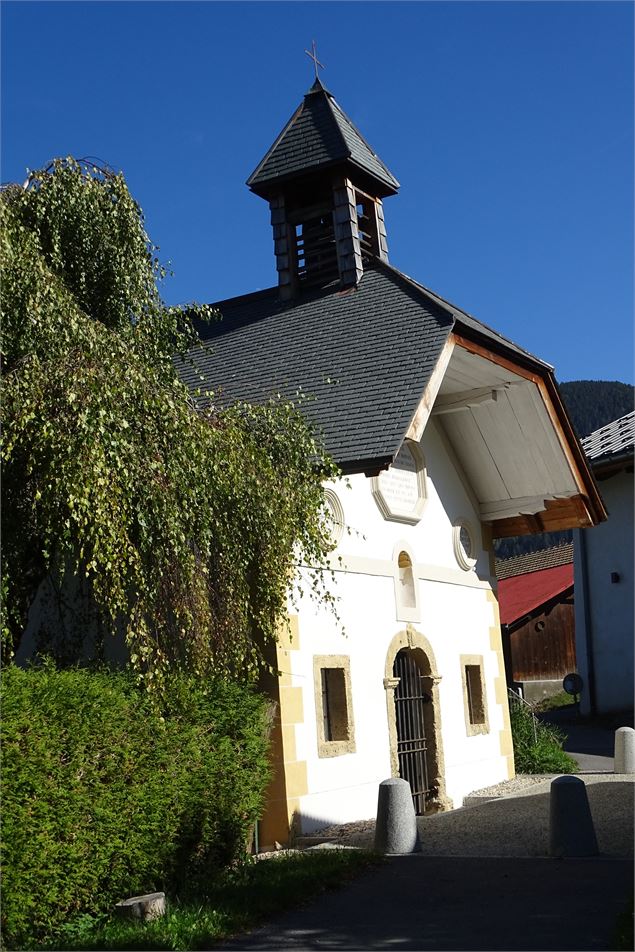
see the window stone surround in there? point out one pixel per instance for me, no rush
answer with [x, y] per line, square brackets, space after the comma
[481, 727]
[333, 748]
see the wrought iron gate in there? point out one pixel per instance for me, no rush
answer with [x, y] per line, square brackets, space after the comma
[410, 698]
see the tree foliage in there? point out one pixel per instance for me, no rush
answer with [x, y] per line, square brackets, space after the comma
[184, 522]
[595, 403]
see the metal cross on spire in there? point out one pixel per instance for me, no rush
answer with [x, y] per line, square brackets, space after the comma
[313, 55]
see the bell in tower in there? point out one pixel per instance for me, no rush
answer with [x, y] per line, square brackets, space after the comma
[325, 186]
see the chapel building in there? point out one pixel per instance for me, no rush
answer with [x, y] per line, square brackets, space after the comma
[448, 435]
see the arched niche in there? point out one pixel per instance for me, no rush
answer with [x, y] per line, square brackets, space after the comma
[406, 585]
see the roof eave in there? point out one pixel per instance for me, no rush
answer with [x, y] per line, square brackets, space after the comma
[611, 464]
[370, 466]
[539, 609]
[266, 188]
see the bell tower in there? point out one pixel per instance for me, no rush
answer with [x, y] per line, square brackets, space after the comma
[325, 186]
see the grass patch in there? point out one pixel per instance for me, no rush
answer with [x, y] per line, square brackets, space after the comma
[537, 746]
[556, 701]
[238, 900]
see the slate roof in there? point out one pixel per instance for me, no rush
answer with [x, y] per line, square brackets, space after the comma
[319, 134]
[361, 357]
[610, 442]
[534, 561]
[521, 595]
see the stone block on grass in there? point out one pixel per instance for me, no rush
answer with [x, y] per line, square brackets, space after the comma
[144, 908]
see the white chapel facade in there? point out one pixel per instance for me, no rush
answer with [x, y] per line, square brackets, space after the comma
[447, 435]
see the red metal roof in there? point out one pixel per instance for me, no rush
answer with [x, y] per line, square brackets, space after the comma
[521, 594]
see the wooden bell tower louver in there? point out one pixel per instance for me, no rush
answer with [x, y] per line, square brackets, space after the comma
[324, 185]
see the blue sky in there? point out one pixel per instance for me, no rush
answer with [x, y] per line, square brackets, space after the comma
[509, 126]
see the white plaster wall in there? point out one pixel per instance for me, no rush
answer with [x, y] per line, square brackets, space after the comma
[453, 613]
[370, 535]
[609, 548]
[345, 788]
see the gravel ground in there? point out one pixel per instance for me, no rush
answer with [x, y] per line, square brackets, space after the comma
[511, 819]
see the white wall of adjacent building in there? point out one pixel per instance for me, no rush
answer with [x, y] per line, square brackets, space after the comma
[604, 608]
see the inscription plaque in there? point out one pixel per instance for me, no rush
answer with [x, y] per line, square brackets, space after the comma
[400, 490]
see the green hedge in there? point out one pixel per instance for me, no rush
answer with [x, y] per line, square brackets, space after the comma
[104, 798]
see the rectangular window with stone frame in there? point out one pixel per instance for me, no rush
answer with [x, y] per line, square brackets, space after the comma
[333, 705]
[474, 695]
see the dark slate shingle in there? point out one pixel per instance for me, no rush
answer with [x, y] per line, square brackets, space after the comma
[319, 133]
[362, 358]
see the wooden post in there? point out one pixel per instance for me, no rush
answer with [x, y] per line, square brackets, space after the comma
[349, 255]
[382, 238]
[284, 247]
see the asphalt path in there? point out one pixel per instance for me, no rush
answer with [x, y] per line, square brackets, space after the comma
[482, 881]
[442, 903]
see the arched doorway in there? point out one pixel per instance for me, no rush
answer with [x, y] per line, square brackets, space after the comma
[412, 698]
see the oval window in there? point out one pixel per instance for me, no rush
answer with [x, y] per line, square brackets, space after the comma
[464, 545]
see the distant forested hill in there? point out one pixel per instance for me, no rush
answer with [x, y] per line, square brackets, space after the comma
[594, 403]
[591, 404]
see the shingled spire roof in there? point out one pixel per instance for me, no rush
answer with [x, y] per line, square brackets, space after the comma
[319, 135]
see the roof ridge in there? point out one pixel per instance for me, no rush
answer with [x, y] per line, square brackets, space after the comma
[331, 101]
[262, 292]
[541, 568]
[458, 313]
[359, 135]
[406, 279]
[278, 139]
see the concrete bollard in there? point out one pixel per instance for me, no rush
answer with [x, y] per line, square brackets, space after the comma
[396, 826]
[571, 830]
[624, 750]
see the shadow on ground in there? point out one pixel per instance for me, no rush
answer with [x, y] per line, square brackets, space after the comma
[481, 882]
[448, 903]
[519, 825]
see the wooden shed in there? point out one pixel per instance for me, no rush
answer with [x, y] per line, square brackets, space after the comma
[535, 594]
